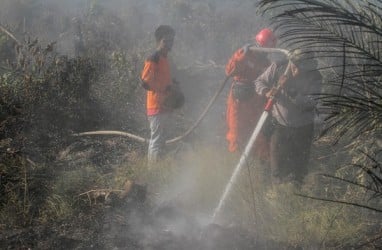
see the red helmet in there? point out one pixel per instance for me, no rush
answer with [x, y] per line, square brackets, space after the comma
[266, 38]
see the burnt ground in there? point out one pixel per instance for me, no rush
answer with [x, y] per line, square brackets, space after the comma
[132, 224]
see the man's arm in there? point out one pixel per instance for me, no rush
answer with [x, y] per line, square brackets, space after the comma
[149, 74]
[263, 83]
[237, 61]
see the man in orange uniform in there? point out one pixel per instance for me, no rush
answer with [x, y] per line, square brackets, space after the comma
[244, 106]
[156, 79]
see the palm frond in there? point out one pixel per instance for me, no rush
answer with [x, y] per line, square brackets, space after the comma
[347, 36]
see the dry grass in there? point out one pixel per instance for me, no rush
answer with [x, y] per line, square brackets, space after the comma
[195, 182]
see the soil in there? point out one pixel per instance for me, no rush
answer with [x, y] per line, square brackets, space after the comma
[132, 224]
[129, 222]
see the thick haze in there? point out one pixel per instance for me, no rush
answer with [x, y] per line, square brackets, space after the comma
[207, 33]
[211, 29]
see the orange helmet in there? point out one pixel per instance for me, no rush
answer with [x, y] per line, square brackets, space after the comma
[266, 38]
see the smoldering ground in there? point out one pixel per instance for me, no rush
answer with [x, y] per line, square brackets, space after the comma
[177, 214]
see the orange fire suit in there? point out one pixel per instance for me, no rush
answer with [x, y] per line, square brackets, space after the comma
[242, 115]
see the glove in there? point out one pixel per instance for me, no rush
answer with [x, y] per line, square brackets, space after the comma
[282, 80]
[271, 92]
[246, 48]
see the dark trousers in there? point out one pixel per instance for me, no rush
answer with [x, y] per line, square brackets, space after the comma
[289, 153]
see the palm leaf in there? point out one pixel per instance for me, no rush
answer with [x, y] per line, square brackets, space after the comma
[347, 36]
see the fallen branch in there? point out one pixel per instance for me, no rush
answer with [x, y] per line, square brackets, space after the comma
[112, 132]
[97, 193]
[4, 30]
[101, 191]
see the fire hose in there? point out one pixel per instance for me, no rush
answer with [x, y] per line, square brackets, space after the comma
[255, 133]
[175, 139]
[196, 123]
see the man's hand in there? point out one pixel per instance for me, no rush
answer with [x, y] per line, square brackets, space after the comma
[246, 48]
[271, 92]
[282, 80]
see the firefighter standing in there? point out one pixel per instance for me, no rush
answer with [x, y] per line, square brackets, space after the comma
[293, 115]
[244, 106]
[156, 79]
